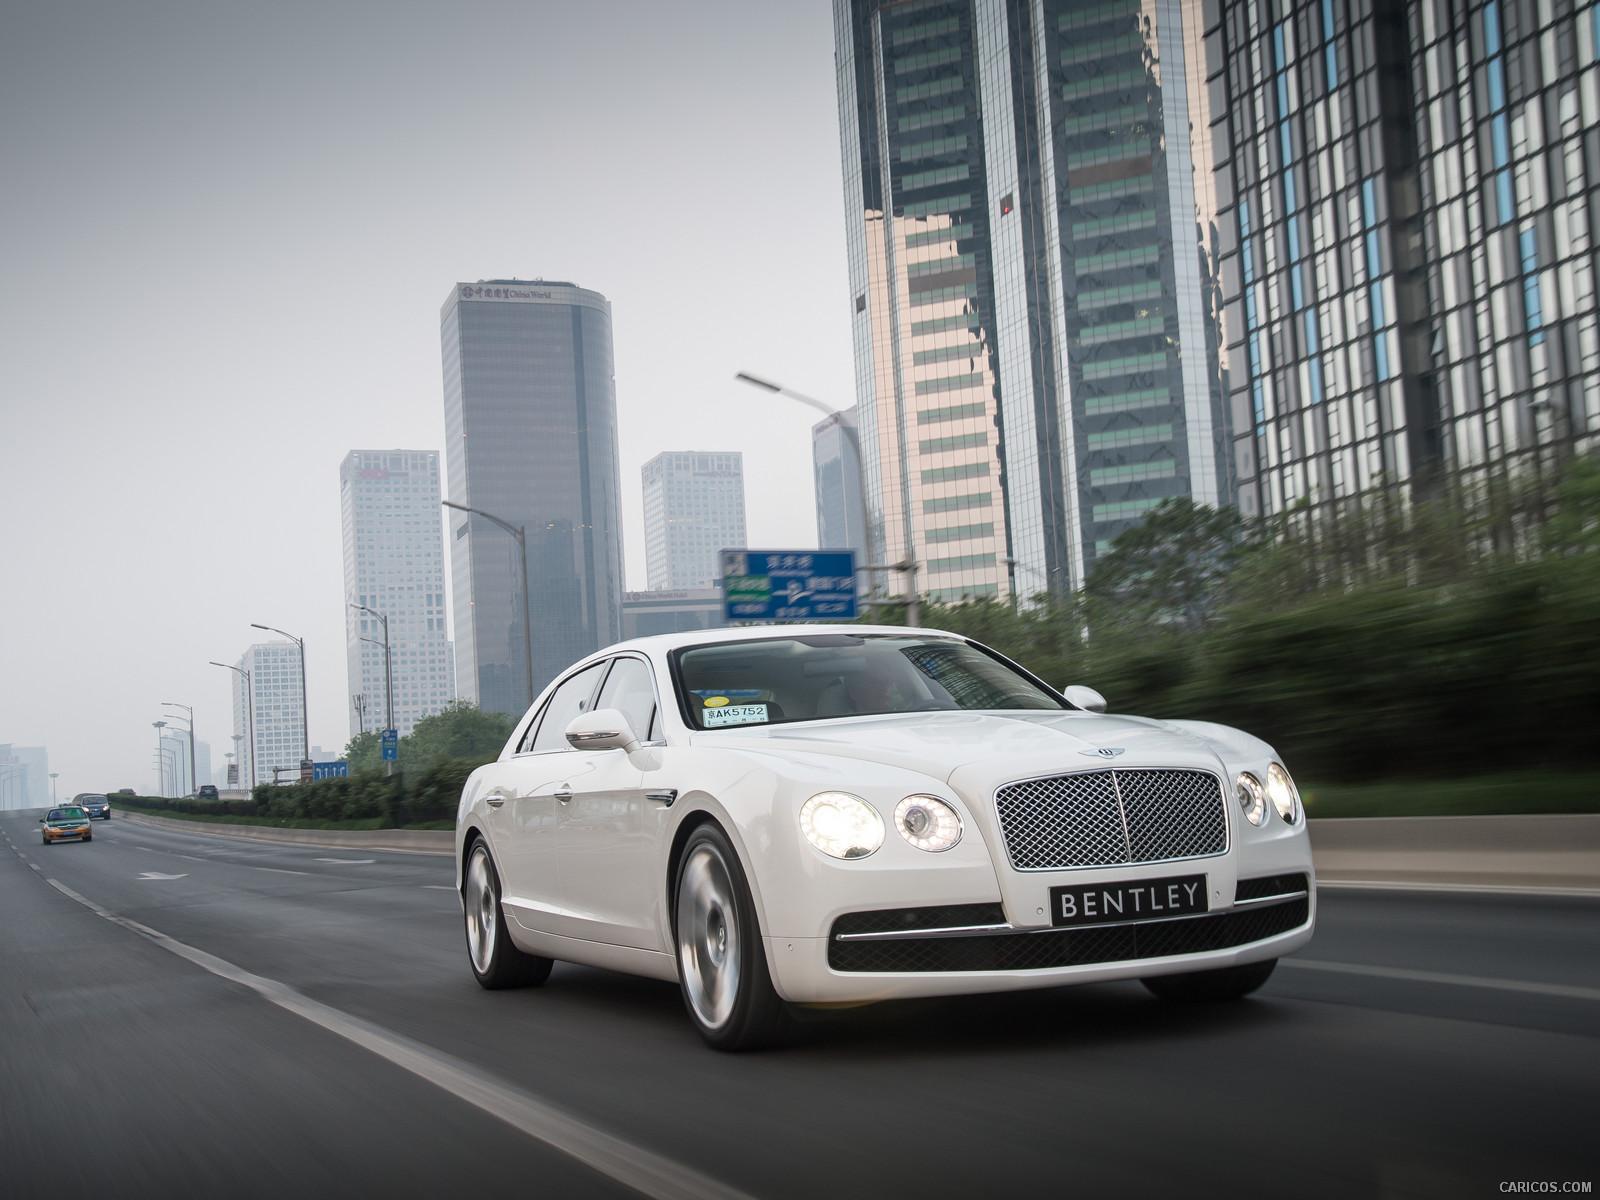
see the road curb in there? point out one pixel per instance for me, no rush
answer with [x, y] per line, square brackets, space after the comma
[407, 841]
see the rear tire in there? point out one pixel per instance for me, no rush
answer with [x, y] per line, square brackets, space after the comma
[722, 959]
[496, 963]
[1210, 987]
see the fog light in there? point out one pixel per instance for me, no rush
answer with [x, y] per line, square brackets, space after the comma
[1252, 798]
[928, 823]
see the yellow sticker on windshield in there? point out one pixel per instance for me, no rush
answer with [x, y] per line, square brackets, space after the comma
[715, 701]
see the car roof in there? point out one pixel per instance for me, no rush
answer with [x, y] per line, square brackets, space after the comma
[662, 642]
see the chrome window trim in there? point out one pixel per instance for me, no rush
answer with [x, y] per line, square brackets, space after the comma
[1227, 819]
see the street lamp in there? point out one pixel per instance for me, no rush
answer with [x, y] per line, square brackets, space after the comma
[388, 676]
[162, 766]
[53, 776]
[194, 783]
[305, 713]
[907, 566]
[249, 711]
[521, 534]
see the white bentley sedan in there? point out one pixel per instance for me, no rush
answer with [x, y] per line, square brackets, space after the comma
[822, 814]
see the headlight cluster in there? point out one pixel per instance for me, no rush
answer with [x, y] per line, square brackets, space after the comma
[846, 826]
[841, 825]
[928, 823]
[1279, 789]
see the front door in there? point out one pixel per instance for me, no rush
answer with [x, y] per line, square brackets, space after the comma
[609, 833]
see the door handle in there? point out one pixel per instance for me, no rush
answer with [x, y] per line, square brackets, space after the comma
[663, 796]
[495, 798]
[564, 794]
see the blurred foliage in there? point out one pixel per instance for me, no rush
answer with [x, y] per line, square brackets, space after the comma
[461, 731]
[1443, 638]
[368, 799]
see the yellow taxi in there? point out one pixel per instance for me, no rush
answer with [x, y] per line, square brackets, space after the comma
[65, 824]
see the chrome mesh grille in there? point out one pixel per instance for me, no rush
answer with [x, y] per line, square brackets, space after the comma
[1108, 818]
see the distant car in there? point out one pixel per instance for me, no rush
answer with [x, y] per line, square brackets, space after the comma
[825, 814]
[206, 791]
[65, 824]
[97, 806]
[126, 792]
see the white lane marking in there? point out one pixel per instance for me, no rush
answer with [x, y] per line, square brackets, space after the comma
[1564, 990]
[439, 887]
[1502, 889]
[159, 875]
[632, 1166]
[274, 870]
[348, 862]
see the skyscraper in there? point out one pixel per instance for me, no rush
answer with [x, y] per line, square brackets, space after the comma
[693, 509]
[274, 669]
[836, 467]
[1036, 361]
[394, 563]
[1408, 198]
[531, 422]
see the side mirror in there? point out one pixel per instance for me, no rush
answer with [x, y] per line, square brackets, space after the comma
[41, 820]
[1085, 698]
[602, 729]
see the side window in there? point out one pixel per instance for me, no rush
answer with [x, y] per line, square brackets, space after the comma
[526, 744]
[631, 690]
[570, 699]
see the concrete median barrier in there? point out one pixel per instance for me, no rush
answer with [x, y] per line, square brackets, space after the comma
[1518, 852]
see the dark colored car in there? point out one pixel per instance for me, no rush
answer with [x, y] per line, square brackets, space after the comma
[126, 792]
[206, 791]
[97, 806]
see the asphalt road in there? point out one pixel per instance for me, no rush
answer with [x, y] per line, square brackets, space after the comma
[312, 1028]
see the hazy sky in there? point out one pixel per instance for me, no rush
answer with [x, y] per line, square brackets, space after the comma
[227, 229]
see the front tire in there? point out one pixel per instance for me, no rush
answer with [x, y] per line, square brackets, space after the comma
[496, 963]
[722, 960]
[1209, 987]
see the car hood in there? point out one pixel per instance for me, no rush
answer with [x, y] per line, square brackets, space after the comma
[939, 744]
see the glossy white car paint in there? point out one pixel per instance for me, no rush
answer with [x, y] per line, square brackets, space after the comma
[588, 879]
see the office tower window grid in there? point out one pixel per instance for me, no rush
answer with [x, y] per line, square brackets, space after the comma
[693, 510]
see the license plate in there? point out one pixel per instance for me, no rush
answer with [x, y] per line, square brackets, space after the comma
[1136, 900]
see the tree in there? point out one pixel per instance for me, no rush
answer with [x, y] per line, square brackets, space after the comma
[1172, 569]
[461, 731]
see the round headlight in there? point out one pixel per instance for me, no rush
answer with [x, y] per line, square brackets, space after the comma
[841, 825]
[928, 823]
[1252, 798]
[1284, 795]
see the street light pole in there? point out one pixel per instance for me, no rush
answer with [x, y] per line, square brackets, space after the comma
[53, 775]
[249, 712]
[907, 566]
[388, 765]
[521, 534]
[305, 713]
[162, 766]
[193, 781]
[388, 676]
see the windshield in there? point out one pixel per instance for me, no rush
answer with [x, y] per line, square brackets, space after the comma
[778, 680]
[89, 800]
[66, 814]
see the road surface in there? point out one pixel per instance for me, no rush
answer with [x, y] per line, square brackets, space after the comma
[187, 1014]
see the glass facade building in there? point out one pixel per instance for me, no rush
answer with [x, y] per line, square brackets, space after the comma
[1029, 227]
[1407, 193]
[394, 563]
[836, 470]
[531, 435]
[276, 695]
[693, 510]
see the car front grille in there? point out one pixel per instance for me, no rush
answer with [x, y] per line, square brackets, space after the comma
[1038, 949]
[1110, 818]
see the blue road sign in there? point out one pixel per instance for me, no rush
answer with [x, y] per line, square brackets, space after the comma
[391, 745]
[330, 770]
[789, 585]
